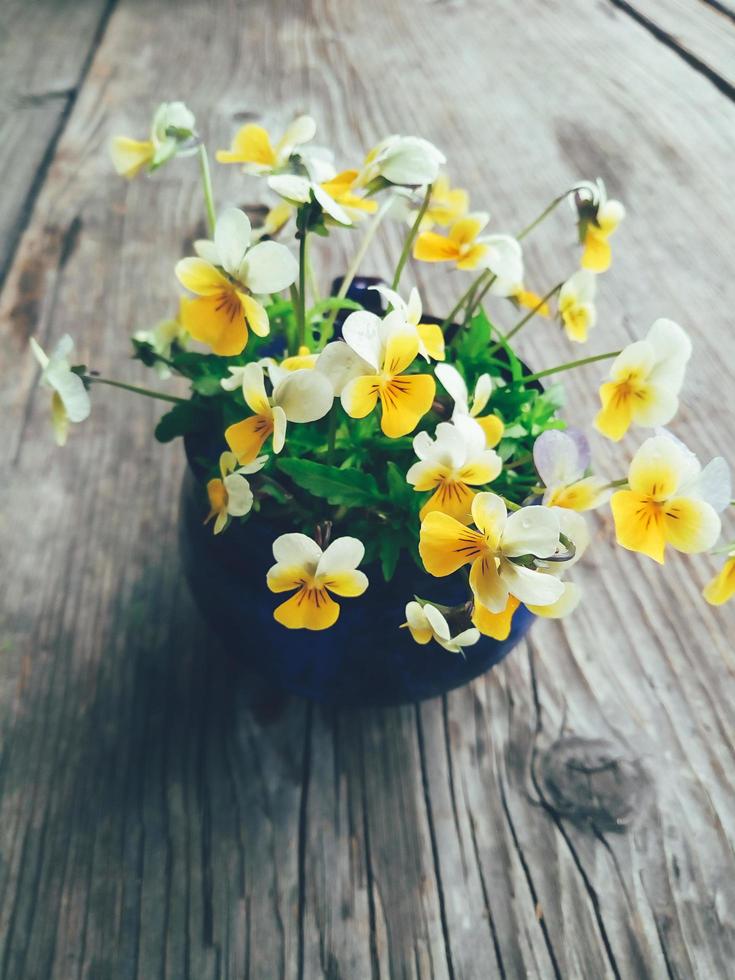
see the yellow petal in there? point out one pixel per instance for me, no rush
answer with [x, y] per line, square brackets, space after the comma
[616, 414]
[349, 583]
[481, 471]
[400, 351]
[465, 230]
[405, 400]
[493, 428]
[496, 625]
[246, 438]
[360, 396]
[446, 545]
[432, 339]
[431, 247]
[722, 586]
[217, 320]
[639, 524]
[217, 498]
[582, 495]
[531, 301]
[310, 608]
[129, 157]
[201, 277]
[447, 205]
[691, 525]
[255, 315]
[597, 254]
[472, 258]
[250, 145]
[283, 578]
[451, 498]
[59, 419]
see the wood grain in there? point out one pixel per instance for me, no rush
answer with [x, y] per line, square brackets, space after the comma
[160, 814]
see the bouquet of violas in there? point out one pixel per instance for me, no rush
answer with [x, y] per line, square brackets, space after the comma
[368, 430]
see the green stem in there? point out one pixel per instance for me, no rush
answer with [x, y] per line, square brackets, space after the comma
[357, 259]
[477, 299]
[568, 366]
[331, 435]
[529, 316]
[207, 188]
[411, 237]
[301, 306]
[544, 214]
[95, 379]
[464, 298]
[510, 504]
[311, 277]
[616, 483]
[521, 461]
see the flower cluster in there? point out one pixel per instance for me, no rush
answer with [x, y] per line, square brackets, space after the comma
[427, 439]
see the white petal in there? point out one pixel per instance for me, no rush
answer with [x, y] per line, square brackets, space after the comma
[63, 349]
[423, 444]
[71, 391]
[279, 428]
[411, 160]
[207, 250]
[638, 356]
[330, 206]
[257, 464]
[301, 130]
[414, 308]
[341, 364]
[574, 527]
[454, 384]
[713, 485]
[564, 605]
[253, 387]
[342, 555]
[304, 395]
[504, 257]
[466, 638]
[362, 332]
[239, 495]
[391, 297]
[472, 436]
[297, 551]
[39, 353]
[268, 268]
[581, 286]
[415, 616]
[672, 349]
[530, 586]
[232, 238]
[291, 187]
[531, 531]
[437, 622]
[557, 459]
[483, 390]
[235, 379]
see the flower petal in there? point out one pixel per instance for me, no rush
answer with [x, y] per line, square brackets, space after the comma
[360, 396]
[217, 320]
[343, 554]
[531, 531]
[446, 545]
[200, 277]
[253, 389]
[639, 525]
[291, 187]
[405, 400]
[660, 466]
[418, 623]
[246, 438]
[279, 428]
[529, 585]
[361, 332]
[564, 605]
[432, 247]
[672, 348]
[251, 144]
[268, 268]
[722, 587]
[310, 608]
[401, 349]
[298, 550]
[486, 584]
[239, 494]
[496, 625]
[304, 395]
[451, 498]
[455, 386]
[255, 314]
[232, 235]
[341, 364]
[691, 526]
[490, 515]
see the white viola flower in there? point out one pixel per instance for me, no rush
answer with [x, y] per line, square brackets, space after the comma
[431, 338]
[172, 131]
[230, 494]
[301, 565]
[301, 396]
[466, 246]
[162, 338]
[455, 460]
[253, 148]
[426, 622]
[577, 304]
[598, 217]
[69, 399]
[226, 276]
[645, 380]
[503, 552]
[405, 160]
[298, 190]
[562, 459]
[456, 388]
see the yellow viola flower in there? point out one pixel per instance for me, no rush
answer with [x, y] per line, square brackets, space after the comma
[172, 127]
[671, 500]
[528, 299]
[577, 305]
[69, 398]
[367, 367]
[493, 550]
[446, 205]
[408, 161]
[722, 587]
[645, 381]
[301, 565]
[455, 460]
[425, 623]
[225, 276]
[297, 190]
[496, 625]
[341, 188]
[253, 148]
[299, 396]
[562, 460]
[468, 249]
[431, 338]
[230, 494]
[162, 338]
[456, 387]
[598, 218]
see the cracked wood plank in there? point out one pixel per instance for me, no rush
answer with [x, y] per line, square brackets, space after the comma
[152, 823]
[45, 49]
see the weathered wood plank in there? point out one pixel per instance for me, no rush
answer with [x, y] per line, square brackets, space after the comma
[150, 823]
[45, 49]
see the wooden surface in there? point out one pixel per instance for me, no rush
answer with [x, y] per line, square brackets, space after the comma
[572, 814]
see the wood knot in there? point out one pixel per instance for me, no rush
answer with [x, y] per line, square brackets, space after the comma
[593, 781]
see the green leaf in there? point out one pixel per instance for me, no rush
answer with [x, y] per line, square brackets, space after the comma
[332, 303]
[207, 385]
[390, 552]
[344, 488]
[183, 417]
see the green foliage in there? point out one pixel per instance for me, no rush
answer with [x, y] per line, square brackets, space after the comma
[343, 488]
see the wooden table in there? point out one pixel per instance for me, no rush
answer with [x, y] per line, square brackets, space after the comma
[570, 815]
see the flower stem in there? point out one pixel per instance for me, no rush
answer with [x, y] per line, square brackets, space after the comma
[207, 188]
[357, 259]
[616, 483]
[529, 316]
[479, 296]
[411, 237]
[301, 306]
[463, 299]
[544, 214]
[147, 392]
[568, 366]
[331, 435]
